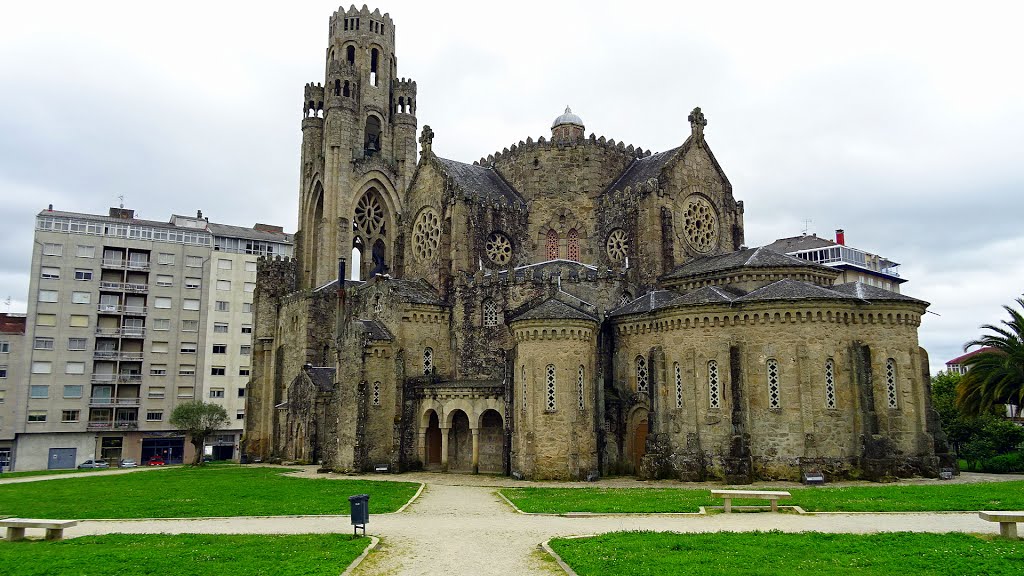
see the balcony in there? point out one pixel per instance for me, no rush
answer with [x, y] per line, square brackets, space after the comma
[116, 379]
[125, 264]
[105, 401]
[117, 355]
[124, 287]
[124, 331]
[115, 425]
[121, 309]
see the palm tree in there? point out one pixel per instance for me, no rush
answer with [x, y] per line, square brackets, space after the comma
[995, 375]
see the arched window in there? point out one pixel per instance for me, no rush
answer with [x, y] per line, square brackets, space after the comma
[714, 391]
[337, 87]
[581, 389]
[572, 246]
[772, 370]
[345, 91]
[490, 312]
[552, 245]
[357, 259]
[373, 67]
[890, 383]
[679, 384]
[371, 138]
[375, 400]
[550, 380]
[350, 54]
[641, 375]
[830, 384]
[428, 361]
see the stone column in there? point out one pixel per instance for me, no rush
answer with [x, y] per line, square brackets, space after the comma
[423, 447]
[476, 450]
[444, 449]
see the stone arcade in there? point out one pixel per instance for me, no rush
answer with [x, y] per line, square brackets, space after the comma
[564, 308]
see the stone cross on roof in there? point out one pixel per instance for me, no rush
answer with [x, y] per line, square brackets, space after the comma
[697, 123]
[426, 139]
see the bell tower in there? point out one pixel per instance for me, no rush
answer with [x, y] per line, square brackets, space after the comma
[358, 151]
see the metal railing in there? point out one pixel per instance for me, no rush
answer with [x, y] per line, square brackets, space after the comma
[109, 401]
[124, 286]
[121, 309]
[117, 355]
[126, 331]
[125, 264]
[116, 379]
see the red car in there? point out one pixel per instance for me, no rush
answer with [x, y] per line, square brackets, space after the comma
[155, 461]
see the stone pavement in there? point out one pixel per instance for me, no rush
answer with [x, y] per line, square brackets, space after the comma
[459, 525]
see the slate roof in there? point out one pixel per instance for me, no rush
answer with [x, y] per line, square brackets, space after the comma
[960, 359]
[247, 233]
[708, 295]
[415, 291]
[552, 309]
[574, 269]
[873, 293]
[746, 258]
[788, 289]
[646, 303]
[643, 169]
[796, 243]
[375, 330]
[322, 377]
[482, 182]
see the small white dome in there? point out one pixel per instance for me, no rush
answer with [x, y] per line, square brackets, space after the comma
[568, 118]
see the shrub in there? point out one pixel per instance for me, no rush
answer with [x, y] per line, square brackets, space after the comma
[1004, 463]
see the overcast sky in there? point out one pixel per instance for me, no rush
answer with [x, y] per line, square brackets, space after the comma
[900, 122]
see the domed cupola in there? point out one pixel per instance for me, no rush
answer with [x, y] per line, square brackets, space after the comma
[567, 128]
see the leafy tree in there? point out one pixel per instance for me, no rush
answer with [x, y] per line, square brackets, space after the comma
[200, 420]
[958, 428]
[995, 376]
[976, 439]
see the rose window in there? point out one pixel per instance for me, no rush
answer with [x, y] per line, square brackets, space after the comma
[498, 248]
[426, 234]
[700, 226]
[617, 245]
[370, 215]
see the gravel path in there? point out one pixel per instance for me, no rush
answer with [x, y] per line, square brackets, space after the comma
[458, 528]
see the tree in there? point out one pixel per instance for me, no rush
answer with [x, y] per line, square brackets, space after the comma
[200, 420]
[996, 375]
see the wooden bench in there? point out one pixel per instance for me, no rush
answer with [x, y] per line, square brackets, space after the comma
[1007, 522]
[54, 528]
[728, 495]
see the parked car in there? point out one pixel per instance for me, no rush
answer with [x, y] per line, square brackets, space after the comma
[94, 464]
[156, 461]
[127, 463]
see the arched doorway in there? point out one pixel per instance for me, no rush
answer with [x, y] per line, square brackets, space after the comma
[638, 438]
[492, 442]
[433, 441]
[460, 443]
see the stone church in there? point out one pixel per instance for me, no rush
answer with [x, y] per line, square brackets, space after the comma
[568, 307]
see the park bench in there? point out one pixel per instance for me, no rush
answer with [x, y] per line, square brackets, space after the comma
[1007, 522]
[54, 528]
[728, 495]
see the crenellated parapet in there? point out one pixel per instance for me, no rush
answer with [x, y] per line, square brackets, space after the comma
[362, 22]
[553, 276]
[276, 276]
[312, 100]
[403, 100]
[542, 144]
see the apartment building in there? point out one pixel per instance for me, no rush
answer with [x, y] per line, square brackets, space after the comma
[853, 265]
[126, 319]
[12, 373]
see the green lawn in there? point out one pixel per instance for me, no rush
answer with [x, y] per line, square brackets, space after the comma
[7, 475]
[883, 498]
[190, 492]
[182, 555]
[775, 553]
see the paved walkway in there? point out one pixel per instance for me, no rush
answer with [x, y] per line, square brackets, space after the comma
[459, 525]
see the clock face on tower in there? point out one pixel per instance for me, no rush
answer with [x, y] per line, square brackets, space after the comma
[698, 223]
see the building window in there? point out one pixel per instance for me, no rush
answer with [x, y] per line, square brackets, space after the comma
[162, 302]
[77, 344]
[245, 350]
[42, 368]
[572, 246]
[69, 415]
[376, 394]
[74, 368]
[162, 324]
[772, 368]
[714, 392]
[552, 245]
[46, 319]
[42, 344]
[81, 297]
[216, 392]
[154, 415]
[5, 347]
[549, 381]
[53, 249]
[223, 264]
[679, 384]
[428, 361]
[158, 370]
[158, 347]
[194, 261]
[830, 384]
[220, 348]
[78, 321]
[218, 371]
[243, 371]
[85, 251]
[156, 392]
[190, 325]
[220, 327]
[39, 391]
[890, 383]
[3, 370]
[190, 304]
[164, 280]
[222, 306]
[240, 415]
[246, 328]
[72, 390]
[247, 308]
[241, 392]
[581, 389]
[37, 415]
[250, 266]
[49, 273]
[186, 391]
[641, 375]
[523, 386]
[83, 274]
[165, 259]
[193, 283]
[490, 313]
[188, 348]
[224, 285]
[249, 287]
[47, 295]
